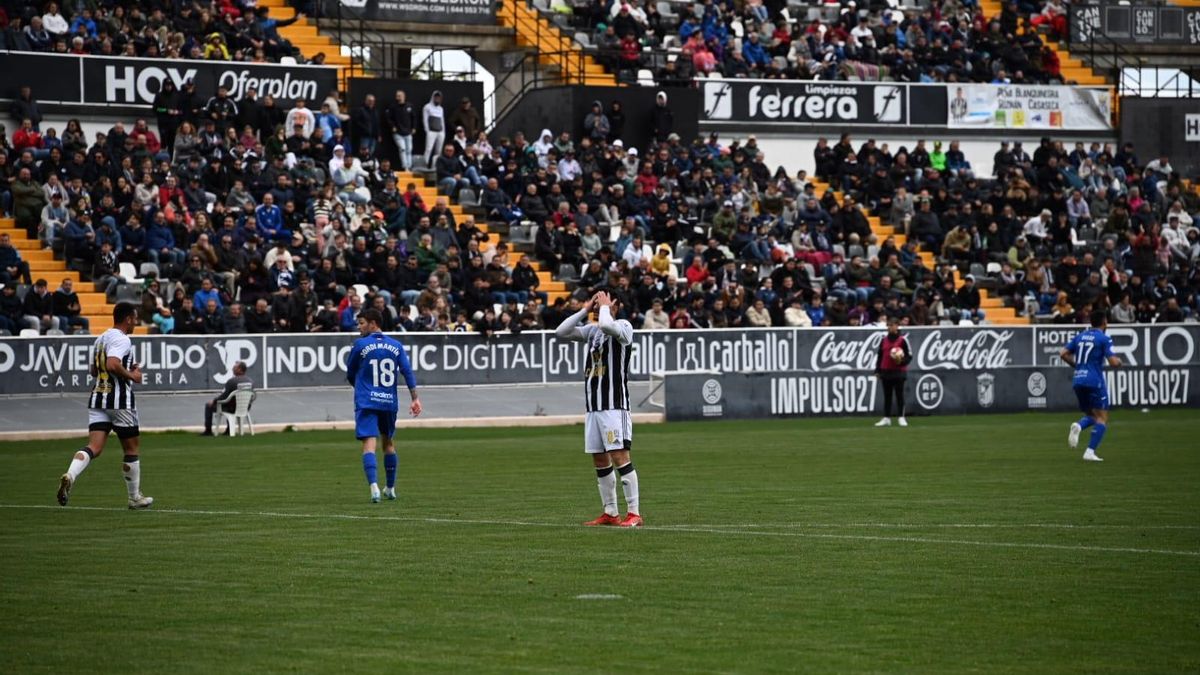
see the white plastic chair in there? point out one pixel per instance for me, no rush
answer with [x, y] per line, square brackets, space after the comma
[129, 273]
[242, 398]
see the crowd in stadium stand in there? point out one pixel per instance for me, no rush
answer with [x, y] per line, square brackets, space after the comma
[947, 41]
[297, 230]
[223, 30]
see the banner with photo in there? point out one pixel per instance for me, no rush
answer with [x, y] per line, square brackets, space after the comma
[1033, 107]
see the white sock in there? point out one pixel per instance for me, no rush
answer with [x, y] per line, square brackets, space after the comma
[133, 475]
[606, 479]
[629, 483]
[78, 465]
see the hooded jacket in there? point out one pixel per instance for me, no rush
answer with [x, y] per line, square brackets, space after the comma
[662, 118]
[433, 115]
[596, 124]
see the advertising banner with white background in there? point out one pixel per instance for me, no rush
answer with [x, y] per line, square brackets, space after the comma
[990, 106]
[46, 365]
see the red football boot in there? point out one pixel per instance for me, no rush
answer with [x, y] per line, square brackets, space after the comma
[631, 520]
[604, 519]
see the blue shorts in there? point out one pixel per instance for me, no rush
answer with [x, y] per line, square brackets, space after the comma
[371, 423]
[1092, 398]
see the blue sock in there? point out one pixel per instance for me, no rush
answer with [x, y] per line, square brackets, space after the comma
[1097, 436]
[390, 462]
[369, 466]
[1085, 422]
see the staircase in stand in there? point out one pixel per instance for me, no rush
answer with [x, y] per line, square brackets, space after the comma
[553, 289]
[555, 49]
[304, 36]
[42, 265]
[1073, 70]
[993, 306]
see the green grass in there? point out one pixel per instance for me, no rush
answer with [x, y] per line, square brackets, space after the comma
[818, 546]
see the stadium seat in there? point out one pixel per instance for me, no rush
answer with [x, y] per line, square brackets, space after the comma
[993, 268]
[978, 270]
[855, 250]
[466, 197]
[243, 397]
[30, 332]
[148, 268]
[567, 272]
[362, 290]
[129, 273]
[4, 332]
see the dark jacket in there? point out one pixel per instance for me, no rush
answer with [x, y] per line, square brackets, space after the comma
[402, 118]
[38, 305]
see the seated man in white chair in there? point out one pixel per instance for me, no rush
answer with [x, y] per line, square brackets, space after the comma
[225, 399]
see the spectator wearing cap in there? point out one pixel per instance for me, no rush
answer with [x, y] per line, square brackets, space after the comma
[467, 117]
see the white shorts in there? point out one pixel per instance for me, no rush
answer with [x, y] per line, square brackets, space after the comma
[607, 430]
[124, 422]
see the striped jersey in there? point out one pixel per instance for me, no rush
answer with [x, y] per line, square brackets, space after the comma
[111, 392]
[606, 370]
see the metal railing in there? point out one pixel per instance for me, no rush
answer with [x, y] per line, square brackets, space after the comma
[564, 63]
[1134, 74]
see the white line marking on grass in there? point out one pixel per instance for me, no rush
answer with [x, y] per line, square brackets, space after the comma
[929, 526]
[745, 532]
[599, 596]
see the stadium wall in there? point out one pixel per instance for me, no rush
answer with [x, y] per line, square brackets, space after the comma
[564, 108]
[1166, 125]
[202, 363]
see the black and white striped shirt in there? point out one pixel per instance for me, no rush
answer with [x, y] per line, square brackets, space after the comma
[111, 392]
[606, 369]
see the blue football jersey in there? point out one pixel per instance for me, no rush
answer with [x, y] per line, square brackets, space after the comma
[376, 361]
[1091, 348]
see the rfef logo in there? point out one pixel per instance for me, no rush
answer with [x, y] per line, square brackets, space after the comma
[929, 391]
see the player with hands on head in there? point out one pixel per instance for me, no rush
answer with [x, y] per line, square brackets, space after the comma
[608, 425]
[1088, 352]
[375, 361]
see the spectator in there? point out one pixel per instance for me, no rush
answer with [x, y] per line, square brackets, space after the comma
[433, 119]
[67, 308]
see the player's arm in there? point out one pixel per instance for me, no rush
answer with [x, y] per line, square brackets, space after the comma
[113, 365]
[353, 363]
[1068, 353]
[569, 328]
[621, 330]
[1110, 355]
[410, 379]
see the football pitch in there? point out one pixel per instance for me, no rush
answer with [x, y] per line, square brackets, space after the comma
[959, 544]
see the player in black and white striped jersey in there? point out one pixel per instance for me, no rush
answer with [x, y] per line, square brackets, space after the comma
[608, 426]
[112, 407]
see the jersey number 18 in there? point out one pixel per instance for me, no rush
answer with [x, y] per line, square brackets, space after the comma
[383, 374]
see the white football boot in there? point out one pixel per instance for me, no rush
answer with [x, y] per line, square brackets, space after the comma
[1073, 435]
